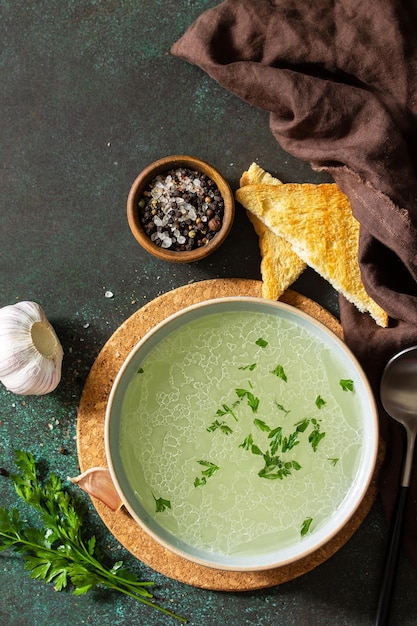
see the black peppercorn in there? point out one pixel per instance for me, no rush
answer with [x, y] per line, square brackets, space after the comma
[214, 224]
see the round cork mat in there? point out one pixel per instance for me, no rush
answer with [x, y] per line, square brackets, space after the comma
[91, 452]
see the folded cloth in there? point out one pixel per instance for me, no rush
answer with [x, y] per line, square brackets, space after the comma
[339, 78]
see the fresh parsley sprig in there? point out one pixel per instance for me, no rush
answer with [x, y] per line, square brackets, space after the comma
[57, 552]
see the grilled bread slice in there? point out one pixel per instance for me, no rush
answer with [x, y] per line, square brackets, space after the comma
[317, 221]
[280, 265]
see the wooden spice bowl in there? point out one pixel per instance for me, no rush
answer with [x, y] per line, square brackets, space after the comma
[146, 177]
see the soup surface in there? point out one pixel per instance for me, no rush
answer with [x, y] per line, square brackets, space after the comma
[240, 433]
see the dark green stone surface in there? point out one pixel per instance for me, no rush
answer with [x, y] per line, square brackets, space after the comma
[89, 96]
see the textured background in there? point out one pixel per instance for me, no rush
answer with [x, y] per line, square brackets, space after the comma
[89, 96]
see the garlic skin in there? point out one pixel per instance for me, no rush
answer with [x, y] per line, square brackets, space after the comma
[97, 482]
[30, 351]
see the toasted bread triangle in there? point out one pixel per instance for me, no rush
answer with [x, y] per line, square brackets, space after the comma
[317, 221]
[255, 175]
[280, 265]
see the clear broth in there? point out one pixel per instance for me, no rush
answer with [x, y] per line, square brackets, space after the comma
[188, 382]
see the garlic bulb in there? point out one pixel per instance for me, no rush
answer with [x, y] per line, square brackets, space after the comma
[30, 352]
[97, 482]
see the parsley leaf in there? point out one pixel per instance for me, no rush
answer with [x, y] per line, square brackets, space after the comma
[302, 426]
[305, 526]
[247, 442]
[276, 469]
[211, 468]
[220, 425]
[282, 408]
[279, 371]
[226, 410]
[261, 425]
[346, 384]
[276, 436]
[262, 343]
[161, 504]
[253, 401]
[250, 367]
[315, 436]
[289, 442]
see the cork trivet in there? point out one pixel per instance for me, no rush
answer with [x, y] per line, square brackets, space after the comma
[91, 452]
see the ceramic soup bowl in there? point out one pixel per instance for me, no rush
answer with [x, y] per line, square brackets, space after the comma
[241, 434]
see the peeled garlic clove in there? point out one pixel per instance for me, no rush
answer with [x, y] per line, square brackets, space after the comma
[30, 351]
[97, 482]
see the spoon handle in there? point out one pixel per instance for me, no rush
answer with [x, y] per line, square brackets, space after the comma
[391, 558]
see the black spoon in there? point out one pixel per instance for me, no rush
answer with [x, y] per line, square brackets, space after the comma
[399, 398]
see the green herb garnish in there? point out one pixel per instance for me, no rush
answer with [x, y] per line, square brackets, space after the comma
[315, 436]
[320, 403]
[255, 450]
[346, 384]
[221, 426]
[211, 468]
[58, 552]
[247, 442]
[140, 370]
[305, 526]
[226, 410]
[261, 425]
[302, 426]
[289, 442]
[261, 343]
[279, 371]
[253, 401]
[333, 461]
[282, 408]
[276, 468]
[161, 504]
[250, 367]
[276, 437]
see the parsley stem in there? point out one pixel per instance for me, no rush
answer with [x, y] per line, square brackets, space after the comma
[135, 596]
[109, 576]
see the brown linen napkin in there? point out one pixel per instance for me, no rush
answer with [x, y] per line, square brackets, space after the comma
[339, 80]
